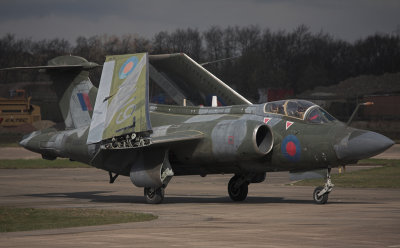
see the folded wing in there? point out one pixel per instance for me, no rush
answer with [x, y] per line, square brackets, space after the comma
[122, 101]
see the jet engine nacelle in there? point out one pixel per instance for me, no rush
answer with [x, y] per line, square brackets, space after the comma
[241, 139]
[151, 169]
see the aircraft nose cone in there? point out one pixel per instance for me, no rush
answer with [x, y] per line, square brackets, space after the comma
[362, 144]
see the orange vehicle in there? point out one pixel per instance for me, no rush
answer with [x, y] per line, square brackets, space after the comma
[17, 109]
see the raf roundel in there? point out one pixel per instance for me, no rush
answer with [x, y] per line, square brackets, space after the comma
[291, 148]
[128, 67]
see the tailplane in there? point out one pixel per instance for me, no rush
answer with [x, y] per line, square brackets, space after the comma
[75, 91]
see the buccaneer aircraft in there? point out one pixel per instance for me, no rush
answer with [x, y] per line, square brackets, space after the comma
[115, 128]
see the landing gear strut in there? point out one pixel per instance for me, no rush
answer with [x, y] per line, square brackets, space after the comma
[321, 193]
[112, 177]
[238, 188]
[154, 196]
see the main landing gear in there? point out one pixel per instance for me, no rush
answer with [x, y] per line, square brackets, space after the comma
[238, 187]
[321, 194]
[154, 196]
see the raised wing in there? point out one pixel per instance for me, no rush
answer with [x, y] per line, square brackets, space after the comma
[182, 77]
[122, 100]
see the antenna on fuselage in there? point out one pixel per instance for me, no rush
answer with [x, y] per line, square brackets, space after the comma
[214, 102]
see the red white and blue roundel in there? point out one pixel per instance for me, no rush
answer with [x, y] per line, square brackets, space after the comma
[291, 148]
[128, 67]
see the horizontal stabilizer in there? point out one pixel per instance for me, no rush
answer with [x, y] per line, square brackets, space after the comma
[60, 63]
[177, 136]
[88, 65]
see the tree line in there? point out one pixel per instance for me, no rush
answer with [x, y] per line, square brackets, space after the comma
[260, 58]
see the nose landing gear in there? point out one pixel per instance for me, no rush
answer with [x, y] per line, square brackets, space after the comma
[321, 194]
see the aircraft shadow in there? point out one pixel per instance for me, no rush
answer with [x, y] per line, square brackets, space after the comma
[105, 197]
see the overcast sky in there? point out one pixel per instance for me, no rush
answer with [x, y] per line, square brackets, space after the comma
[47, 19]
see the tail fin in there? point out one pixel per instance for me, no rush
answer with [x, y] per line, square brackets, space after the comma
[73, 87]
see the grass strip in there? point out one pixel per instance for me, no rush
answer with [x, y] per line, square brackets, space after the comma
[10, 139]
[40, 164]
[387, 176]
[374, 161]
[26, 219]
[9, 144]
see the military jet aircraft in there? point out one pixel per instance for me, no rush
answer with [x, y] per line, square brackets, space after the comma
[115, 128]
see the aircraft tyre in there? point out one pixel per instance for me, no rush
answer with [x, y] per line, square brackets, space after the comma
[154, 196]
[320, 199]
[237, 193]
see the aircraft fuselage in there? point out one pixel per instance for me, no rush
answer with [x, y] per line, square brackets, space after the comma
[229, 144]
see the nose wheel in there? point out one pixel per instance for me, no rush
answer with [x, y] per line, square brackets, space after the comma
[321, 194]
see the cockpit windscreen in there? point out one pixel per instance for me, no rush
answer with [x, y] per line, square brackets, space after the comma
[300, 109]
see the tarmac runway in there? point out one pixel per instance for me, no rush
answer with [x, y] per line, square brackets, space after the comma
[197, 212]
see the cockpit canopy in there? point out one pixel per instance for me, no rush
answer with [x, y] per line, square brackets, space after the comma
[299, 109]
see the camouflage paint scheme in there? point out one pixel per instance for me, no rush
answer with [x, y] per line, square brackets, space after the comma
[243, 139]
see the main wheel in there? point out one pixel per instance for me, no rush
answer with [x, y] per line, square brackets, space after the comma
[320, 199]
[154, 196]
[237, 193]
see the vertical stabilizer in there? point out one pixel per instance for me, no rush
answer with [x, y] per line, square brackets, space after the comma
[74, 89]
[77, 102]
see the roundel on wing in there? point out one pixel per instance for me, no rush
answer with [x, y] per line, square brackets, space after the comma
[128, 67]
[291, 148]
